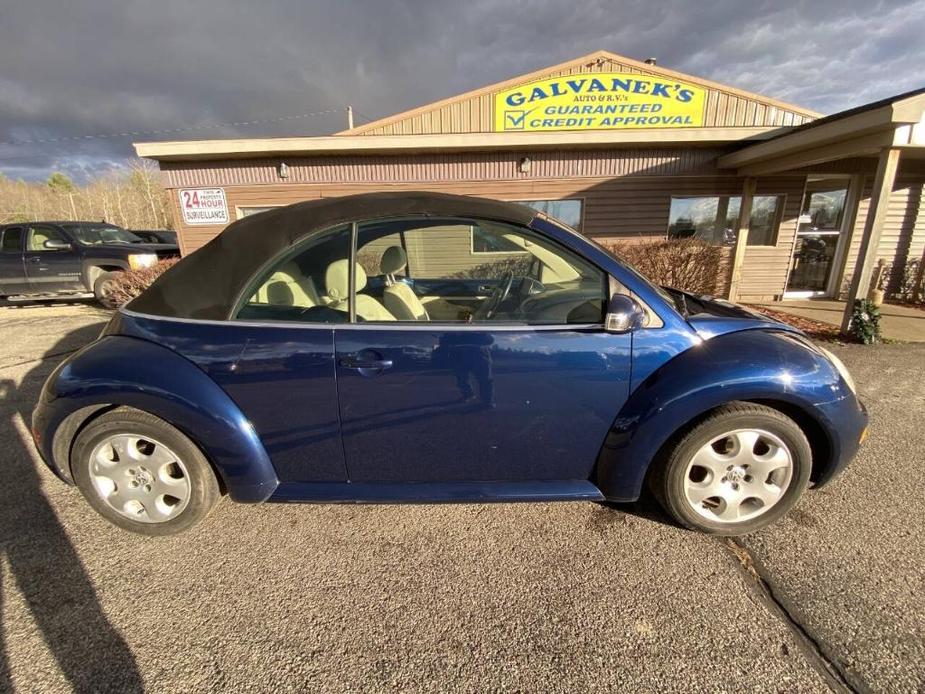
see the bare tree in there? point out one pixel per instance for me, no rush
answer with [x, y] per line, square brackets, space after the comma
[132, 198]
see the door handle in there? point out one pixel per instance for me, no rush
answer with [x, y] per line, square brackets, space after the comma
[35, 259]
[366, 364]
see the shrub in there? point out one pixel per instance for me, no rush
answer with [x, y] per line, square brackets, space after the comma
[865, 322]
[689, 264]
[518, 265]
[127, 285]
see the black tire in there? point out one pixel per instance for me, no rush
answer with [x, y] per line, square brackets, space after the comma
[102, 289]
[669, 474]
[203, 488]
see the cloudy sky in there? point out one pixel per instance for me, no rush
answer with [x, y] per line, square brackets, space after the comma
[82, 68]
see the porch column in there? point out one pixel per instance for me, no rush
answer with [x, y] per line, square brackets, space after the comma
[873, 228]
[719, 222]
[849, 221]
[745, 214]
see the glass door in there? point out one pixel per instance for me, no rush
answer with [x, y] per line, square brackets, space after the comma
[818, 237]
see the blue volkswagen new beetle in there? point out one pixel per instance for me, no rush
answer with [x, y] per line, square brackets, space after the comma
[418, 347]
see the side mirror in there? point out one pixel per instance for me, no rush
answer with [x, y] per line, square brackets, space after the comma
[57, 245]
[623, 314]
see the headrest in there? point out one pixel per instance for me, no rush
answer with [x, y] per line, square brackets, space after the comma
[290, 271]
[393, 260]
[337, 279]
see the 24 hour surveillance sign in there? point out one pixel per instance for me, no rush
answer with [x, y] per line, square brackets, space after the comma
[204, 206]
[599, 101]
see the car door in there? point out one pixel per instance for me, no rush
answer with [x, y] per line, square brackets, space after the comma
[12, 273]
[280, 371]
[51, 269]
[526, 391]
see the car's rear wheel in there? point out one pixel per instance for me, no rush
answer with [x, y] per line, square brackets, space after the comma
[103, 288]
[142, 474]
[738, 470]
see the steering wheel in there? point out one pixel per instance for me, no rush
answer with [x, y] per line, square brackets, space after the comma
[500, 294]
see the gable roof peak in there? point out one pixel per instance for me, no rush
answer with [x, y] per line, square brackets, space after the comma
[596, 58]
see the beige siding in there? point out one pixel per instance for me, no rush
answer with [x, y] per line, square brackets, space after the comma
[903, 236]
[472, 112]
[613, 208]
[431, 168]
[451, 257]
[765, 268]
[623, 209]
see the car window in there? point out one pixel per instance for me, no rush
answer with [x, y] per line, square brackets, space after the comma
[471, 271]
[90, 235]
[38, 235]
[12, 240]
[308, 285]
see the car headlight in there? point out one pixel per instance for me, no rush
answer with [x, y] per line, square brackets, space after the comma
[842, 369]
[137, 261]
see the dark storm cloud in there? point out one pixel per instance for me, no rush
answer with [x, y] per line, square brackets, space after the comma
[68, 70]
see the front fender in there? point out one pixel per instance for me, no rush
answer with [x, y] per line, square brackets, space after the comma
[747, 365]
[92, 267]
[118, 370]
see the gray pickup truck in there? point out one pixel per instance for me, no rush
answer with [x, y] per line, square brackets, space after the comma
[49, 258]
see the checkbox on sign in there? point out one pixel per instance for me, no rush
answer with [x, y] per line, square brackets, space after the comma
[514, 120]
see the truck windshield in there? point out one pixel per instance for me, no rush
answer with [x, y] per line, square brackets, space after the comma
[88, 235]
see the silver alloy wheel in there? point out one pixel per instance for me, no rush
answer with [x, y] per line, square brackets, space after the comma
[738, 475]
[140, 478]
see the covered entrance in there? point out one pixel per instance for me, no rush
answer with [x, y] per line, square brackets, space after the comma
[819, 239]
[864, 173]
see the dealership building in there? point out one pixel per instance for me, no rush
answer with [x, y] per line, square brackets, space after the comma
[804, 205]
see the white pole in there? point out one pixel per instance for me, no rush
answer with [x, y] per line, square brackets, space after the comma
[350, 118]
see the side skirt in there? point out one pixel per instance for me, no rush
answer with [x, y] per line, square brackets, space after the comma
[435, 492]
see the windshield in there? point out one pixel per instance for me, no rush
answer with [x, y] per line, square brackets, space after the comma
[87, 235]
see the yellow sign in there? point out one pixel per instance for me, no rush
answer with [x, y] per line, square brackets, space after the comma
[599, 101]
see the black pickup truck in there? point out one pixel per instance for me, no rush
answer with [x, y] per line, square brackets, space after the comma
[45, 258]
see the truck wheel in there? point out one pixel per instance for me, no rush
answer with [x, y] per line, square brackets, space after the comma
[739, 470]
[103, 288]
[142, 474]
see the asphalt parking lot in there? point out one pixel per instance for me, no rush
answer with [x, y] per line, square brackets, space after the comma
[536, 597]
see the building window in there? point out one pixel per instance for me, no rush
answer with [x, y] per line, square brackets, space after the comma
[248, 211]
[490, 240]
[566, 211]
[715, 219]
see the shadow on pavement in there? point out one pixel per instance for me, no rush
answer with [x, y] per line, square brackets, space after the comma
[45, 567]
[50, 301]
[645, 507]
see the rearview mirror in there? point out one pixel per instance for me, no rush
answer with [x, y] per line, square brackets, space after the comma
[57, 245]
[623, 314]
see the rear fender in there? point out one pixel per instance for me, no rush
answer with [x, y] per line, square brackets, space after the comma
[118, 370]
[749, 365]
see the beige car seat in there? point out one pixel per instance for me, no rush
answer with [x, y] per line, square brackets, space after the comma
[337, 285]
[400, 299]
[289, 287]
[37, 239]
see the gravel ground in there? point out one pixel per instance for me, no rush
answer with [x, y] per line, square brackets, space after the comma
[551, 597]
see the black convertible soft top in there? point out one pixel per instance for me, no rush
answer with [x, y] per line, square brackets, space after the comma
[206, 284]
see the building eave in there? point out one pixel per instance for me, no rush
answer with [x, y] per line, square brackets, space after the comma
[857, 132]
[194, 150]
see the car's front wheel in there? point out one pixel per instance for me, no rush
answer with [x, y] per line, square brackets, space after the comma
[104, 287]
[738, 470]
[142, 474]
